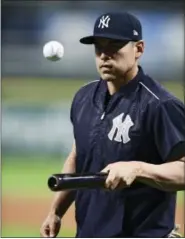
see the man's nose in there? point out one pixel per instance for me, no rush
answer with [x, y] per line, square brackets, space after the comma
[105, 54]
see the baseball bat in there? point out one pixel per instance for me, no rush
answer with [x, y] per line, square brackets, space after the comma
[60, 182]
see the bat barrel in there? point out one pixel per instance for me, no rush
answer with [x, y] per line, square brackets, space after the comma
[59, 182]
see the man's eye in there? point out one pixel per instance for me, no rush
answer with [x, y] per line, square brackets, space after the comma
[116, 44]
[98, 48]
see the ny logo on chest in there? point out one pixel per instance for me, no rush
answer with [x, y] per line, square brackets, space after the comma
[120, 129]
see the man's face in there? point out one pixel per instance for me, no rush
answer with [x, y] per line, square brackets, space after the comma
[114, 57]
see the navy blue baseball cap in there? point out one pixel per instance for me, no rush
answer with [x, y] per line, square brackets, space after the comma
[116, 25]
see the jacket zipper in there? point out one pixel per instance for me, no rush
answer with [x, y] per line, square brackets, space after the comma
[103, 116]
[108, 108]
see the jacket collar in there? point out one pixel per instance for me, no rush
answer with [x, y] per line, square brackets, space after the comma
[125, 90]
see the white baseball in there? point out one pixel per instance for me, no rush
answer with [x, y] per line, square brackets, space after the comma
[53, 50]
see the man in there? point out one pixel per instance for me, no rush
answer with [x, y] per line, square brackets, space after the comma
[127, 125]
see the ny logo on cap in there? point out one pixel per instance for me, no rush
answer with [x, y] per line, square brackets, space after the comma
[104, 22]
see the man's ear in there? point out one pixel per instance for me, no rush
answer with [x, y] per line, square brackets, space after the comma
[139, 49]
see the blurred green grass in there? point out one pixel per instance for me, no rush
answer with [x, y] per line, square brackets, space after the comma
[18, 231]
[176, 88]
[27, 176]
[39, 91]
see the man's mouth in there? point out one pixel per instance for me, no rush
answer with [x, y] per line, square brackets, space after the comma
[107, 66]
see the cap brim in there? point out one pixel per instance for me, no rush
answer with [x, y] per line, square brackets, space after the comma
[87, 40]
[91, 39]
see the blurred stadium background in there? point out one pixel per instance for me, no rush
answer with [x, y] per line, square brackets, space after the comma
[36, 93]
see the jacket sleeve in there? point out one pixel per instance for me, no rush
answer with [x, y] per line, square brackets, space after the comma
[168, 129]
